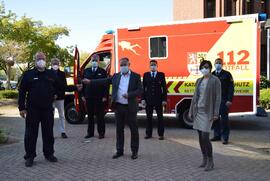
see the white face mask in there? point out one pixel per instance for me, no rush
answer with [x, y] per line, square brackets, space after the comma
[205, 71]
[95, 64]
[55, 67]
[153, 68]
[41, 63]
[124, 69]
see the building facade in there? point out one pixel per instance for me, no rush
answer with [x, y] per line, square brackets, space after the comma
[199, 9]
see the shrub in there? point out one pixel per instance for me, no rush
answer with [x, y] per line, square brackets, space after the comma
[264, 83]
[265, 98]
[3, 137]
[9, 94]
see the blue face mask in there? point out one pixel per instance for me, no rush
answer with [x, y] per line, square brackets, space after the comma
[124, 69]
[218, 67]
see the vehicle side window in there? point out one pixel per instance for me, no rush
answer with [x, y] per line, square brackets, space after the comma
[105, 60]
[158, 47]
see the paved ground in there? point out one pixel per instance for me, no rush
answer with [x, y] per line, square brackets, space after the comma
[176, 158]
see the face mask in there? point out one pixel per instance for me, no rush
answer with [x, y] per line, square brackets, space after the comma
[218, 67]
[124, 69]
[153, 68]
[95, 64]
[41, 63]
[204, 71]
[55, 67]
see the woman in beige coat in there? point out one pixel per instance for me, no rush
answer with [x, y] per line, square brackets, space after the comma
[204, 109]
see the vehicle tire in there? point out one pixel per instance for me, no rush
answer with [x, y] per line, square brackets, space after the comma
[72, 116]
[184, 119]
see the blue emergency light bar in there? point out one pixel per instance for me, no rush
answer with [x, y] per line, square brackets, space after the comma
[262, 16]
[109, 32]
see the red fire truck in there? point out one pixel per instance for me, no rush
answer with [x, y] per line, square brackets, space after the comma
[179, 47]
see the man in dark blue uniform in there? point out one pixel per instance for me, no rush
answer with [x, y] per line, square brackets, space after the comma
[154, 97]
[221, 126]
[37, 91]
[95, 96]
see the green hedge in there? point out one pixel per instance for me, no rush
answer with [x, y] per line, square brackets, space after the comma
[265, 98]
[8, 94]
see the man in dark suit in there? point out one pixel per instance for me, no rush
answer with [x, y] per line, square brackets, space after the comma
[95, 96]
[126, 87]
[221, 126]
[63, 87]
[154, 97]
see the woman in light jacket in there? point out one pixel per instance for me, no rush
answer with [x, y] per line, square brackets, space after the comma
[204, 109]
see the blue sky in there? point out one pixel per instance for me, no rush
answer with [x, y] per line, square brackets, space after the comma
[87, 20]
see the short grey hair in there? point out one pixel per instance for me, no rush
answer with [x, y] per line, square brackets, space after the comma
[55, 61]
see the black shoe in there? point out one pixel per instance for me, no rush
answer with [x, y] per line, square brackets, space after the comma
[161, 138]
[101, 136]
[63, 135]
[134, 156]
[117, 155]
[225, 142]
[216, 138]
[88, 136]
[29, 162]
[147, 137]
[51, 158]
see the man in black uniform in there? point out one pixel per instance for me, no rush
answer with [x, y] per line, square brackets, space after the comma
[95, 96]
[221, 126]
[154, 97]
[37, 91]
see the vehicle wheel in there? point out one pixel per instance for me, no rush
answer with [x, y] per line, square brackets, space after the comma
[187, 123]
[72, 116]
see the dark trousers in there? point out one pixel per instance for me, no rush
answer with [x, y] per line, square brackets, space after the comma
[95, 108]
[221, 126]
[149, 113]
[45, 117]
[122, 115]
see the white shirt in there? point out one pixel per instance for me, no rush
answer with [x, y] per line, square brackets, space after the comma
[123, 88]
[155, 73]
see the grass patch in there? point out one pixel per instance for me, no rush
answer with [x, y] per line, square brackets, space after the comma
[3, 137]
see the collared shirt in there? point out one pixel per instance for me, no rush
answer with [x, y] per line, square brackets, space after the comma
[218, 72]
[123, 88]
[155, 73]
[94, 69]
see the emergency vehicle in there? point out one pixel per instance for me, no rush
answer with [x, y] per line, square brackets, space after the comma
[179, 47]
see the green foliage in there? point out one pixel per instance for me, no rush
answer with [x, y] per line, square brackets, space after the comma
[8, 94]
[22, 37]
[265, 98]
[264, 83]
[3, 137]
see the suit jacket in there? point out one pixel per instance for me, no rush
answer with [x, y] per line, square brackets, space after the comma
[95, 91]
[227, 85]
[213, 98]
[134, 88]
[154, 89]
[63, 87]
